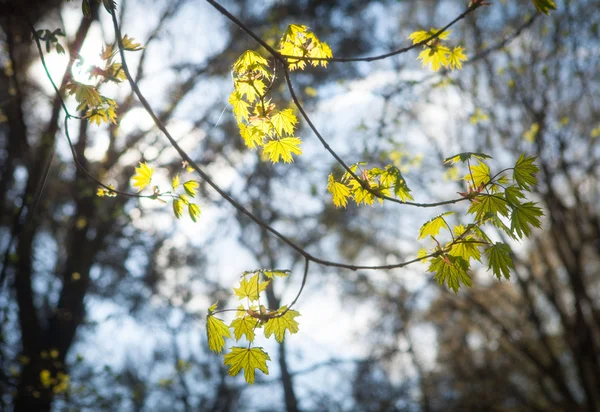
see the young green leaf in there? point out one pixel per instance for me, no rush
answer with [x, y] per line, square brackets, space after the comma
[484, 204]
[244, 326]
[142, 176]
[194, 211]
[525, 171]
[190, 187]
[544, 6]
[216, 331]
[283, 148]
[240, 107]
[451, 270]
[463, 157]
[249, 360]
[279, 273]
[479, 175]
[278, 325]
[178, 208]
[499, 260]
[523, 217]
[433, 226]
[339, 191]
[284, 122]
[250, 288]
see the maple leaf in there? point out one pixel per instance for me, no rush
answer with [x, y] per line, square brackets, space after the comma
[130, 44]
[456, 57]
[283, 148]
[252, 135]
[279, 273]
[463, 157]
[190, 187]
[194, 211]
[178, 208]
[436, 56]
[524, 172]
[544, 6]
[240, 107]
[523, 216]
[433, 226]
[250, 60]
[484, 204]
[321, 51]
[339, 191]
[244, 325]
[451, 270]
[216, 332]
[175, 182]
[278, 325]
[499, 260]
[250, 288]
[480, 175]
[401, 189]
[422, 35]
[466, 248]
[249, 360]
[284, 121]
[142, 176]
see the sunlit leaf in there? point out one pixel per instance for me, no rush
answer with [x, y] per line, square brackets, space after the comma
[433, 226]
[523, 217]
[463, 157]
[130, 44]
[484, 204]
[143, 176]
[451, 270]
[456, 57]
[283, 149]
[216, 331]
[525, 171]
[339, 191]
[247, 359]
[244, 326]
[284, 121]
[250, 288]
[278, 325]
[190, 187]
[178, 207]
[499, 259]
[194, 211]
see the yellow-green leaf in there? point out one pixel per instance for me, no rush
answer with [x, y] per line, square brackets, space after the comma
[194, 211]
[339, 191]
[456, 57]
[244, 326]
[284, 121]
[250, 288]
[175, 182]
[278, 325]
[544, 6]
[499, 259]
[178, 208]
[433, 226]
[283, 149]
[249, 360]
[190, 187]
[143, 176]
[216, 331]
[130, 44]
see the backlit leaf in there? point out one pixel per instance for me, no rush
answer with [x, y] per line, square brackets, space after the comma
[283, 149]
[216, 331]
[451, 270]
[250, 288]
[278, 325]
[339, 191]
[525, 171]
[142, 176]
[433, 226]
[247, 359]
[194, 211]
[284, 121]
[463, 157]
[190, 187]
[499, 260]
[244, 326]
[484, 204]
[523, 217]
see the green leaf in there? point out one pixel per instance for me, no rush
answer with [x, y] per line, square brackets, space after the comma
[190, 187]
[525, 171]
[283, 148]
[274, 272]
[433, 227]
[479, 175]
[463, 157]
[466, 248]
[250, 288]
[194, 211]
[244, 326]
[394, 176]
[499, 260]
[178, 208]
[249, 360]
[523, 217]
[544, 6]
[216, 331]
[451, 270]
[513, 194]
[279, 325]
[484, 204]
[339, 191]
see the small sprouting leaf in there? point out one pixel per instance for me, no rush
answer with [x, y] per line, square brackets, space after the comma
[102, 192]
[523, 216]
[250, 288]
[433, 226]
[283, 148]
[60, 49]
[178, 207]
[499, 260]
[451, 270]
[213, 307]
[436, 56]
[244, 326]
[525, 171]
[284, 121]
[216, 331]
[175, 182]
[190, 187]
[544, 6]
[279, 273]
[339, 191]
[422, 35]
[142, 176]
[463, 157]
[130, 44]
[278, 325]
[249, 360]
[194, 211]
[456, 57]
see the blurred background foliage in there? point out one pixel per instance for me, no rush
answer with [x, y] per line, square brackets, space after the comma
[102, 301]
